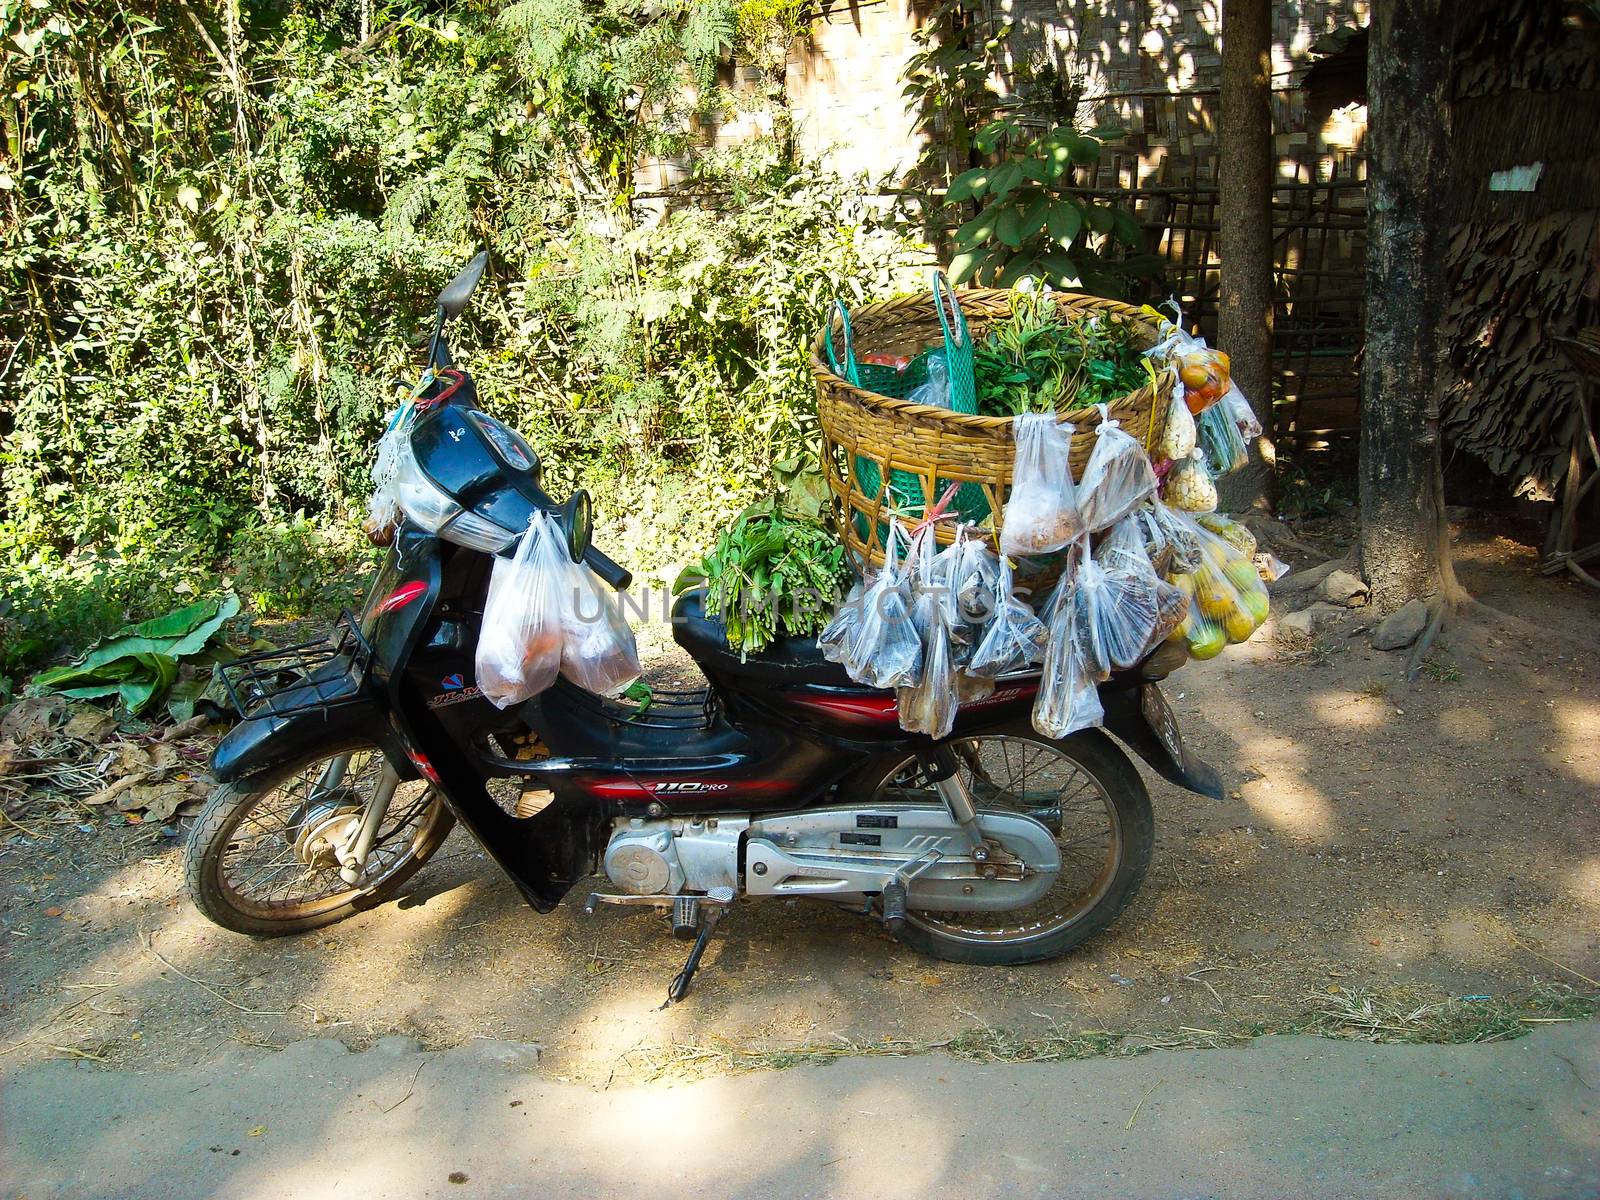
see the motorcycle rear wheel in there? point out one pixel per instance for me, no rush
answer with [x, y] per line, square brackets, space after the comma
[1085, 789]
[250, 862]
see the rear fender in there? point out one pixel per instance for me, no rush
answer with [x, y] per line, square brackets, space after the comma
[1130, 713]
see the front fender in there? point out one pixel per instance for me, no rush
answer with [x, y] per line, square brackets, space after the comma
[1133, 714]
[259, 745]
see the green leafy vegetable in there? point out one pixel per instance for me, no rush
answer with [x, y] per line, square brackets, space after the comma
[770, 571]
[1038, 360]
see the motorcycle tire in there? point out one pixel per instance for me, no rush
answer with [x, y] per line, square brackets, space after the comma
[216, 831]
[957, 937]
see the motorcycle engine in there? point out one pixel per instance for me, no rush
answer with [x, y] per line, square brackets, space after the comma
[665, 858]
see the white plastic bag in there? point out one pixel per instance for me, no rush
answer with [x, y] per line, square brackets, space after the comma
[929, 706]
[1116, 478]
[599, 652]
[519, 646]
[1068, 699]
[1042, 512]
[884, 651]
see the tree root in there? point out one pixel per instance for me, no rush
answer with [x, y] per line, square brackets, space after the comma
[1453, 604]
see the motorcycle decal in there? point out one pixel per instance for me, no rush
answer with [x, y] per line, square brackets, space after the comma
[872, 709]
[424, 767]
[452, 683]
[443, 699]
[628, 789]
[402, 596]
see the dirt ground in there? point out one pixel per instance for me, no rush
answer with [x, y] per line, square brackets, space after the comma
[1442, 836]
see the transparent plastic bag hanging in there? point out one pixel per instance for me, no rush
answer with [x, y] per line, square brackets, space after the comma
[1014, 639]
[1221, 442]
[1170, 542]
[1116, 478]
[1068, 698]
[519, 646]
[835, 637]
[929, 706]
[1042, 511]
[1178, 433]
[885, 651]
[1118, 614]
[1227, 599]
[599, 652]
[1237, 406]
[1122, 547]
[383, 507]
[1189, 487]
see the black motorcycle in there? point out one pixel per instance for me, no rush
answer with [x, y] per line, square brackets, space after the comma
[359, 752]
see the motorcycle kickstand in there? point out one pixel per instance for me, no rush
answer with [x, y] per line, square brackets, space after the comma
[690, 913]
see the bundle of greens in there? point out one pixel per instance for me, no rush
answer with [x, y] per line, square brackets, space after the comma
[772, 570]
[1040, 360]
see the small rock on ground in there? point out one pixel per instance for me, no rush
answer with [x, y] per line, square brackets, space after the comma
[1342, 587]
[1309, 620]
[1401, 627]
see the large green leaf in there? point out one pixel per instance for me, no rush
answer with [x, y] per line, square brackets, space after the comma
[1034, 218]
[1009, 227]
[976, 231]
[969, 185]
[1006, 177]
[140, 662]
[1063, 221]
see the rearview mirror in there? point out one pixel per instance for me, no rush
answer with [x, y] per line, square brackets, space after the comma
[453, 300]
[577, 518]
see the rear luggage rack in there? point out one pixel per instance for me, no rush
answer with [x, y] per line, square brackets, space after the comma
[320, 675]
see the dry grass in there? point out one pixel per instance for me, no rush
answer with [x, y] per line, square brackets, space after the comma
[1409, 1016]
[1361, 1014]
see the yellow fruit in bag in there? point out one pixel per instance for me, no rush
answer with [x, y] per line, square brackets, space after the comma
[1239, 625]
[1206, 640]
[1257, 605]
[1213, 593]
[1229, 530]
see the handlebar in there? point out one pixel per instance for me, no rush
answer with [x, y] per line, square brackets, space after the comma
[616, 575]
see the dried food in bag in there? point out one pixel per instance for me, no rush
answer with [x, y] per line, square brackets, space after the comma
[1171, 543]
[835, 636]
[1117, 477]
[1069, 699]
[1118, 615]
[1123, 547]
[1042, 511]
[929, 705]
[885, 651]
[599, 652]
[519, 647]
[971, 688]
[1178, 434]
[1189, 486]
[1015, 637]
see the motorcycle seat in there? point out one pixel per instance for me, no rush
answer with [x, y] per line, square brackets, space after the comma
[786, 660]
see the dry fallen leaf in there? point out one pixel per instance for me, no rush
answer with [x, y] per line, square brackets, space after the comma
[258, 1131]
[52, 911]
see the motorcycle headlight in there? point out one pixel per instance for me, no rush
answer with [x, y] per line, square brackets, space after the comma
[476, 533]
[428, 506]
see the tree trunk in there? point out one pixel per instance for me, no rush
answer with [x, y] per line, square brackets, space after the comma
[1405, 538]
[1245, 172]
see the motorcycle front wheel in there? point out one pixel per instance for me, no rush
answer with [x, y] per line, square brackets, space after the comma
[261, 859]
[1088, 794]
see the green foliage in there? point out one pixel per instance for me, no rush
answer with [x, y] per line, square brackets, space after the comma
[1031, 222]
[1038, 360]
[770, 570]
[140, 665]
[220, 231]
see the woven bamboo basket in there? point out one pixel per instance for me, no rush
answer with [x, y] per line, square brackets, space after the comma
[937, 446]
